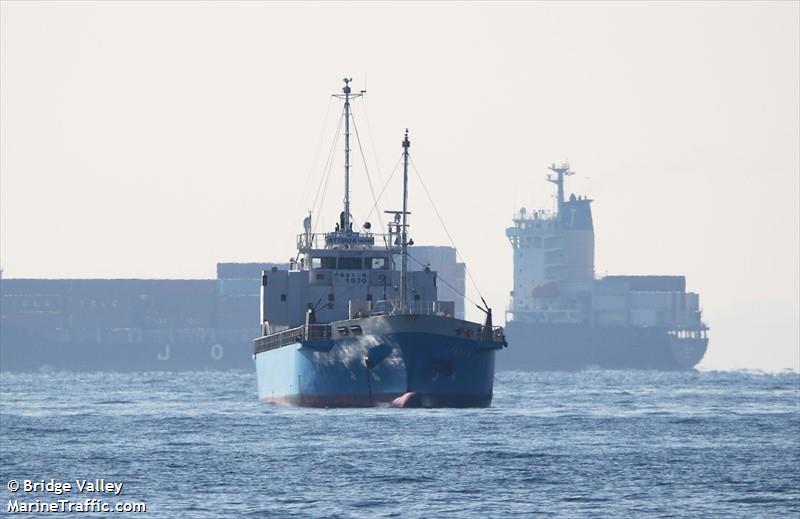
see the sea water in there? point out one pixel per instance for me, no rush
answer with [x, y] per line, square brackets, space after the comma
[593, 443]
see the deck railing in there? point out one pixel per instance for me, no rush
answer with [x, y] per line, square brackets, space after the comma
[394, 306]
[541, 215]
[440, 308]
[303, 333]
[390, 307]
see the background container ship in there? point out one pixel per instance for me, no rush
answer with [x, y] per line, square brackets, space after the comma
[562, 318]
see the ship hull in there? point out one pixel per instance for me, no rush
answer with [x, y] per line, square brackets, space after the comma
[396, 356]
[569, 347]
[26, 350]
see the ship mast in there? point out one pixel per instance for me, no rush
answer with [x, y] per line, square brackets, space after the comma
[346, 91]
[560, 171]
[404, 231]
[347, 95]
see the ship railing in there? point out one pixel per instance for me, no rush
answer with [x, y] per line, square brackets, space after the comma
[308, 332]
[438, 308]
[538, 214]
[395, 306]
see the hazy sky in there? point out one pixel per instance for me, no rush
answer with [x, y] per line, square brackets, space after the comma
[156, 139]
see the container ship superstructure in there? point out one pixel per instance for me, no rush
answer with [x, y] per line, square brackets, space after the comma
[563, 318]
[344, 327]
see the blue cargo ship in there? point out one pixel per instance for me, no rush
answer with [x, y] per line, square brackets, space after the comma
[342, 327]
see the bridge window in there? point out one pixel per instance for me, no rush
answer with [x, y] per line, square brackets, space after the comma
[323, 263]
[346, 263]
[377, 263]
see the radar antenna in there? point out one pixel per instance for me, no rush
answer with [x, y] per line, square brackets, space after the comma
[560, 171]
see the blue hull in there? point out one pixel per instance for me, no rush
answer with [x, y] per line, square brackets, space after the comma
[442, 370]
